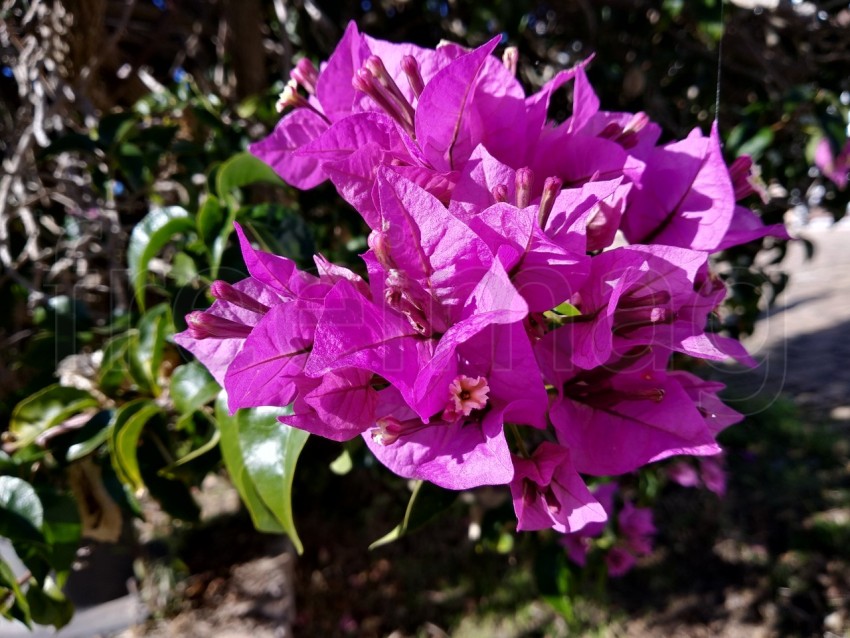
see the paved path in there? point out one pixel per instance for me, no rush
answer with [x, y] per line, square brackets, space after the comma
[803, 343]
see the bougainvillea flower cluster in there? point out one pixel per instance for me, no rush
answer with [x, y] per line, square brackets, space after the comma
[528, 281]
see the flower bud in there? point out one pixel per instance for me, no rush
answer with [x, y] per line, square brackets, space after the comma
[551, 188]
[510, 58]
[414, 77]
[204, 325]
[500, 193]
[524, 184]
[225, 292]
[306, 75]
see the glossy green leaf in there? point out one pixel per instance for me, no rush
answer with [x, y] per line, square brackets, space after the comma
[46, 408]
[210, 219]
[243, 169]
[147, 350]
[192, 387]
[426, 502]
[114, 370]
[62, 528]
[263, 518]
[129, 421]
[13, 601]
[91, 436]
[270, 450]
[260, 454]
[149, 236]
[22, 512]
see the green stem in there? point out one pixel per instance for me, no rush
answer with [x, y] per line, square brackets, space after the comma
[518, 439]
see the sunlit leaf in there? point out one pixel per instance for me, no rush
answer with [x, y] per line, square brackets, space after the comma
[91, 436]
[46, 408]
[13, 601]
[22, 512]
[149, 236]
[129, 421]
[269, 452]
[147, 350]
[192, 387]
[243, 169]
[263, 518]
[342, 464]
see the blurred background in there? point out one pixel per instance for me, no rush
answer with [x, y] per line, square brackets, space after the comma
[123, 126]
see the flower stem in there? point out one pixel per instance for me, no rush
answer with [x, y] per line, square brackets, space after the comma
[523, 451]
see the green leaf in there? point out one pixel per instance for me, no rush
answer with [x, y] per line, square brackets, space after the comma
[62, 528]
[113, 127]
[192, 387]
[214, 227]
[22, 512]
[426, 501]
[146, 352]
[149, 236]
[566, 309]
[17, 608]
[757, 144]
[129, 420]
[243, 169]
[90, 437]
[210, 219]
[46, 408]
[184, 270]
[114, 367]
[69, 142]
[49, 606]
[263, 518]
[210, 444]
[279, 230]
[269, 452]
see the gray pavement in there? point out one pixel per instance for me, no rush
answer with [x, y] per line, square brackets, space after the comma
[803, 342]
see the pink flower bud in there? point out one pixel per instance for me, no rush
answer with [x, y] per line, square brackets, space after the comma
[225, 292]
[524, 184]
[500, 193]
[551, 188]
[204, 325]
[306, 75]
[411, 69]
